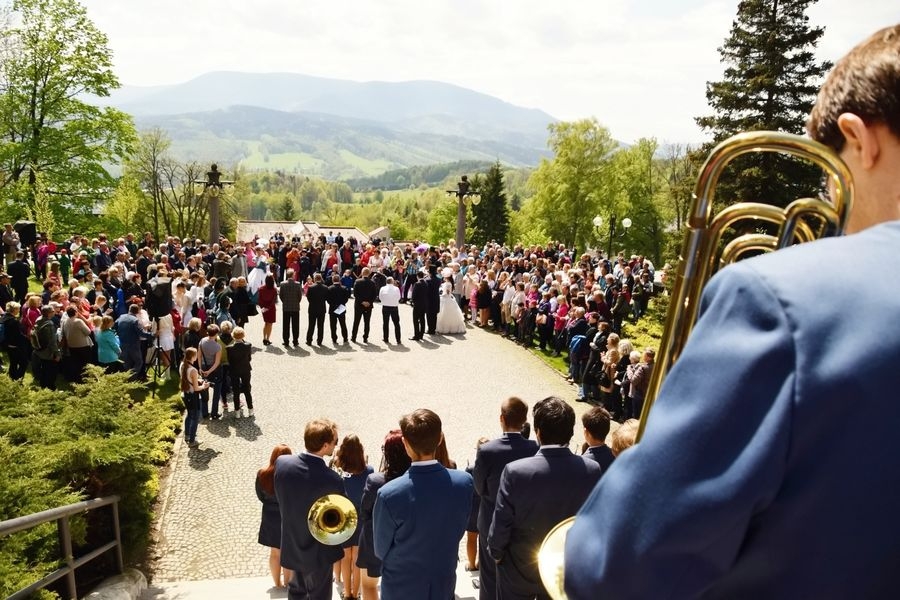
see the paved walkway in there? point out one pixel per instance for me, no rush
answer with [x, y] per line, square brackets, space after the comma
[210, 513]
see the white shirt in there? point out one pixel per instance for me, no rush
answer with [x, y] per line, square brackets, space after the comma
[389, 295]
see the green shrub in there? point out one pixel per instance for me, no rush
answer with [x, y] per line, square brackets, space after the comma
[101, 438]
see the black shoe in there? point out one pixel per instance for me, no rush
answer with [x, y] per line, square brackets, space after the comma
[309, 342]
[385, 340]
[285, 344]
[353, 339]
[296, 345]
[415, 339]
[365, 340]
[334, 340]
[346, 342]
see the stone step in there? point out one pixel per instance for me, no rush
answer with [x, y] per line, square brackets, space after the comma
[252, 588]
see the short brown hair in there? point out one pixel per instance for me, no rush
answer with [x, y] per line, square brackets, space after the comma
[596, 422]
[422, 430]
[514, 412]
[318, 433]
[866, 83]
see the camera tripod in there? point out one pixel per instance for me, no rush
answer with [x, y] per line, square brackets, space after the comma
[155, 360]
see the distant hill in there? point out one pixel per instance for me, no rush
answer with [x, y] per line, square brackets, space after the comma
[335, 128]
[428, 175]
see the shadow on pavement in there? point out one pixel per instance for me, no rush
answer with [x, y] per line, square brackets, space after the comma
[199, 458]
[398, 348]
[247, 428]
[323, 350]
[371, 348]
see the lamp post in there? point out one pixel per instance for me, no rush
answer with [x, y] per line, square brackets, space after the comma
[464, 197]
[598, 222]
[212, 189]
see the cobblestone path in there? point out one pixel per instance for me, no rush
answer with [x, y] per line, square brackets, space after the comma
[210, 514]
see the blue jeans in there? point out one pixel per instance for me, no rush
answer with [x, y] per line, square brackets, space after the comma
[191, 421]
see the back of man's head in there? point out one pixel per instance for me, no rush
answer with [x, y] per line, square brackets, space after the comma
[514, 412]
[866, 83]
[318, 433]
[596, 422]
[422, 431]
[554, 421]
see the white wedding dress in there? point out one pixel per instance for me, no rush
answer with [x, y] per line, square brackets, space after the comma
[450, 318]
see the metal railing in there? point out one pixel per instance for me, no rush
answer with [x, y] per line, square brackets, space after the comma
[61, 515]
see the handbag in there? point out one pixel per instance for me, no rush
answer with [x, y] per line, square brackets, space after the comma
[252, 310]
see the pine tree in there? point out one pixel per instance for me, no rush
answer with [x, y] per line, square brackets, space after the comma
[491, 215]
[286, 210]
[770, 83]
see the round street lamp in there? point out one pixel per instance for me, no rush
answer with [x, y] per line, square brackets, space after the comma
[598, 223]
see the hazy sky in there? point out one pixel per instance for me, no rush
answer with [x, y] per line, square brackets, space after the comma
[639, 66]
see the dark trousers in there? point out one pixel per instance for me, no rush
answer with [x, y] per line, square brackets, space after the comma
[317, 324]
[18, 362]
[312, 585]
[290, 324]
[333, 321]
[418, 323]
[391, 313]
[408, 282]
[45, 371]
[240, 382]
[487, 571]
[432, 321]
[365, 314]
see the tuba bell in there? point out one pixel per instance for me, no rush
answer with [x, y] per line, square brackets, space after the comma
[332, 519]
[704, 253]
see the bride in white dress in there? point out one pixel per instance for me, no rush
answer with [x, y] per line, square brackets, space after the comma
[450, 318]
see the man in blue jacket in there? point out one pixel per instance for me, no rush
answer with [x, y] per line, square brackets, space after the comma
[420, 517]
[770, 465]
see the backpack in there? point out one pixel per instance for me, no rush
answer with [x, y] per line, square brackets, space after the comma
[35, 338]
[577, 346]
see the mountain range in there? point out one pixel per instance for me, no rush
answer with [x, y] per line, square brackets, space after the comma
[334, 128]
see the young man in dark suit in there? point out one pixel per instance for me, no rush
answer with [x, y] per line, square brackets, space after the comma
[316, 297]
[535, 494]
[596, 428]
[337, 296]
[421, 299]
[420, 517]
[490, 461]
[364, 294]
[300, 480]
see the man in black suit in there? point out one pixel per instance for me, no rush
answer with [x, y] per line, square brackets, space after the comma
[337, 297]
[19, 270]
[596, 428]
[316, 297]
[300, 480]
[434, 297]
[6, 293]
[535, 494]
[421, 300]
[364, 294]
[490, 461]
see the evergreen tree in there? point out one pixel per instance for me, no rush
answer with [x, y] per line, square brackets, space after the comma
[491, 215]
[286, 210]
[770, 83]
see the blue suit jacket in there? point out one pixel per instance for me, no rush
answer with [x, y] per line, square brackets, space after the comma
[300, 481]
[490, 461]
[770, 466]
[418, 522]
[535, 494]
[602, 454]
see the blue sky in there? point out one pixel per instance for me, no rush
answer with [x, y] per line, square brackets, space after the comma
[638, 66]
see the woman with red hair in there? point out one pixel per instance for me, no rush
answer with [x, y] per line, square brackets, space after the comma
[270, 525]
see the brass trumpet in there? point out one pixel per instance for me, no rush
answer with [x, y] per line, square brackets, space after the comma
[332, 519]
[703, 254]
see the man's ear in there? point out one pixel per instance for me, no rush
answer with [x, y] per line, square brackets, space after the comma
[861, 141]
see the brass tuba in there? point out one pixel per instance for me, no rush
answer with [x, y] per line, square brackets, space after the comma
[703, 254]
[332, 519]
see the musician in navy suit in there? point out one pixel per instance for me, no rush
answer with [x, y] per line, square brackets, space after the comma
[770, 464]
[300, 480]
[420, 517]
[596, 428]
[535, 494]
[490, 461]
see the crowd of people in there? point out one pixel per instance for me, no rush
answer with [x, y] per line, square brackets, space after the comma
[506, 503]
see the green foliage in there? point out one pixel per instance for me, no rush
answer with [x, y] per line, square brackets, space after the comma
[442, 223]
[41, 211]
[60, 447]
[770, 83]
[427, 175]
[576, 185]
[286, 210]
[491, 214]
[648, 330]
[52, 58]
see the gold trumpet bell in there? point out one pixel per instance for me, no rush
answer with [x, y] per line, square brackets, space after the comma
[332, 519]
[551, 565]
